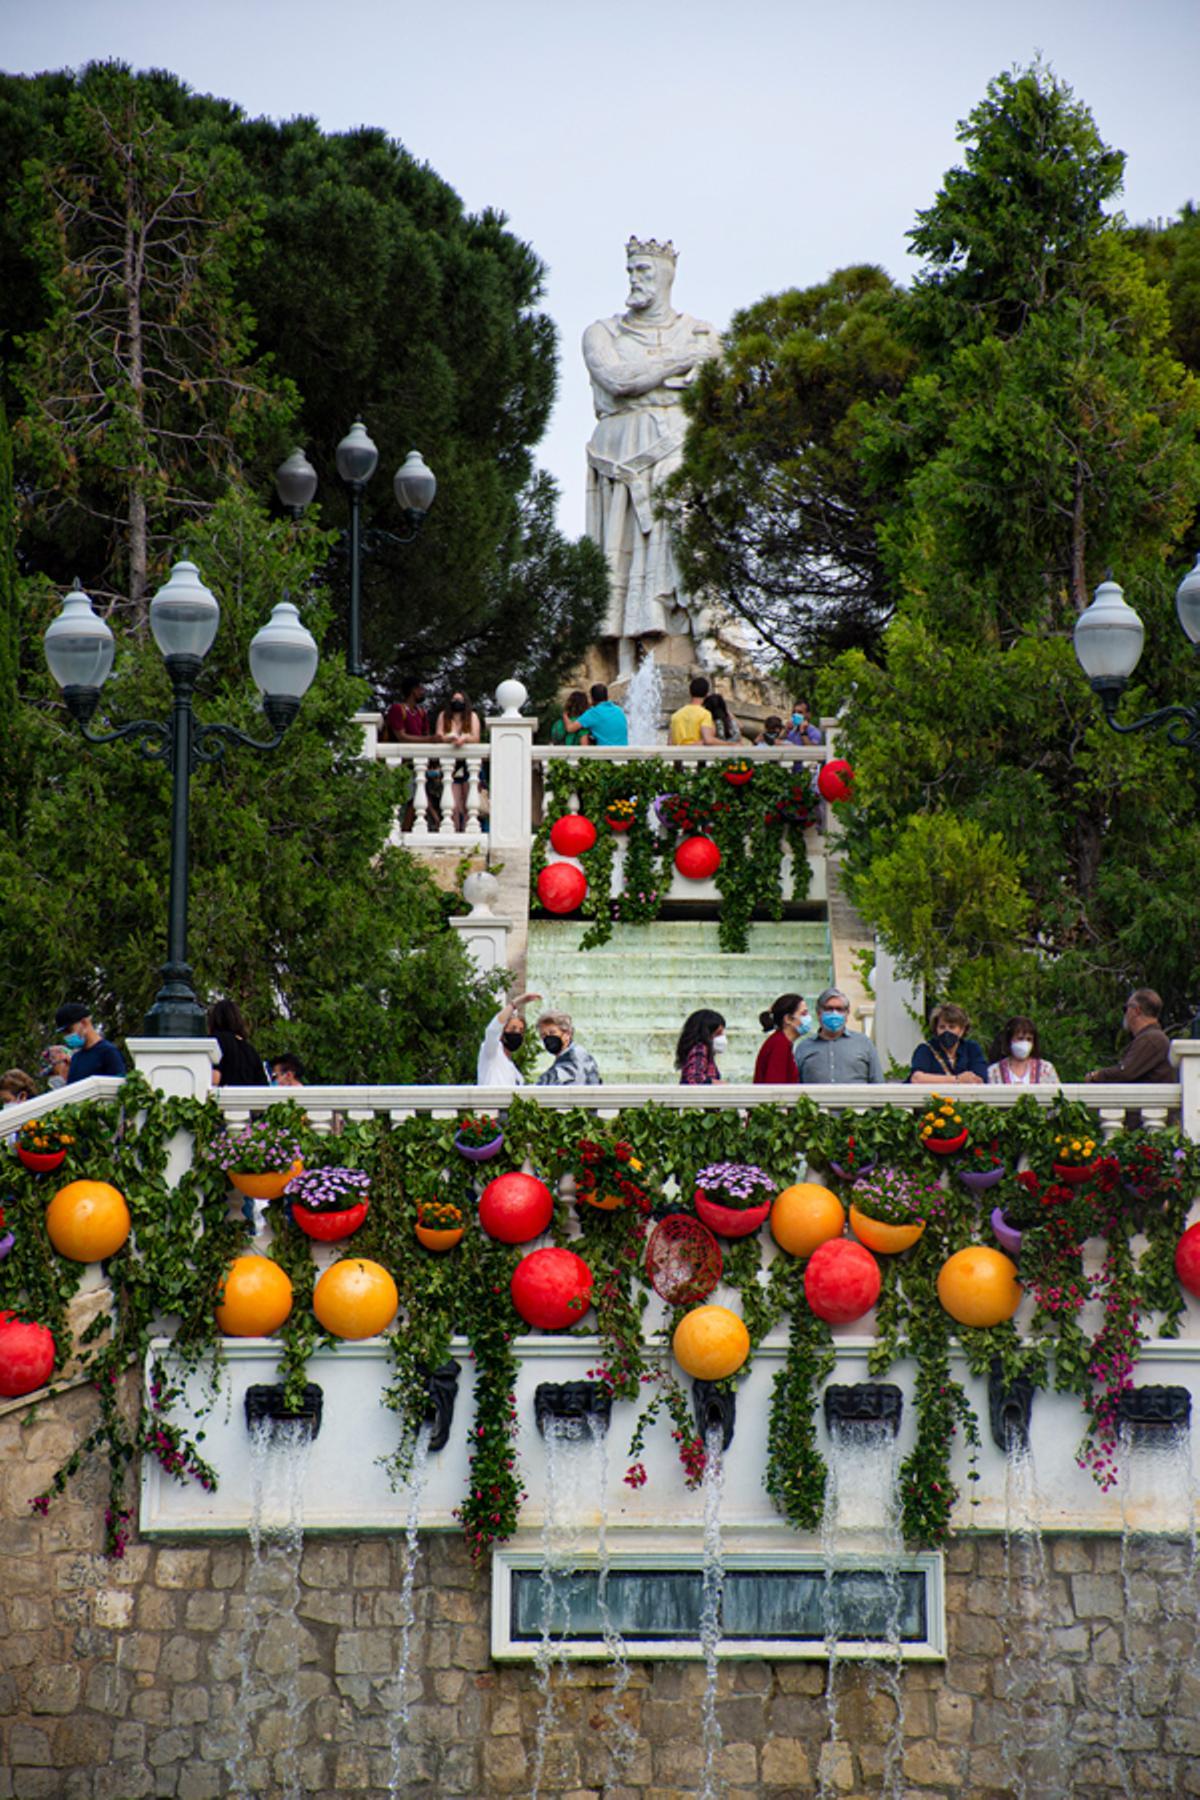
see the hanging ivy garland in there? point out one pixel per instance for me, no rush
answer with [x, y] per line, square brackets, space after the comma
[1140, 1186]
[752, 827]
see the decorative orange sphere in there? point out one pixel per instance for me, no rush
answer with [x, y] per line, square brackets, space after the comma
[804, 1216]
[255, 1299]
[561, 887]
[979, 1286]
[710, 1342]
[87, 1221]
[355, 1298]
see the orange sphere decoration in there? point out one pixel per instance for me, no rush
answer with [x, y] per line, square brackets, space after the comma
[515, 1208]
[697, 858]
[572, 834]
[551, 1288]
[561, 887]
[1187, 1259]
[804, 1216]
[87, 1221]
[255, 1299]
[842, 1281]
[710, 1342]
[979, 1286]
[836, 780]
[26, 1356]
[355, 1298]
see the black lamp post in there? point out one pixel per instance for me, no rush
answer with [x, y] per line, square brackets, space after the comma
[184, 618]
[1108, 642]
[414, 484]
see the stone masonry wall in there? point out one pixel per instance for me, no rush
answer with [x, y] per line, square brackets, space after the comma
[1072, 1675]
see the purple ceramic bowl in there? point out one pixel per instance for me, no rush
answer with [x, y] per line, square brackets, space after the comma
[980, 1179]
[1006, 1235]
[852, 1174]
[480, 1152]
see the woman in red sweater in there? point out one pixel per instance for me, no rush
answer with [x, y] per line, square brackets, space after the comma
[787, 1020]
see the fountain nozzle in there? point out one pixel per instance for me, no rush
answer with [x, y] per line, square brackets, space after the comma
[1010, 1410]
[265, 1405]
[714, 1408]
[573, 1403]
[441, 1387]
[875, 1404]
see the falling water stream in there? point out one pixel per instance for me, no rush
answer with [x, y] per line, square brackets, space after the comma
[1036, 1759]
[401, 1708]
[710, 1609]
[270, 1637]
[622, 1733]
[561, 1521]
[643, 703]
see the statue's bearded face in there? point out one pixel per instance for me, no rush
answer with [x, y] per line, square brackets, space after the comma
[650, 280]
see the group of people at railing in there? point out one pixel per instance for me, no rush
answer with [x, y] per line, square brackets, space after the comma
[821, 1050]
[454, 724]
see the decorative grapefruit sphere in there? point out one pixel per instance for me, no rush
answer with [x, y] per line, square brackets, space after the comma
[561, 887]
[842, 1281]
[515, 1208]
[87, 1221]
[572, 834]
[697, 858]
[836, 780]
[979, 1286]
[1187, 1259]
[804, 1216]
[552, 1288]
[710, 1342]
[255, 1299]
[355, 1298]
[26, 1356]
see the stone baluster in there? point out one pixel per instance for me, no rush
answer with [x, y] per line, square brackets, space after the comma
[321, 1119]
[474, 770]
[420, 799]
[1185, 1054]
[1154, 1118]
[447, 827]
[1112, 1120]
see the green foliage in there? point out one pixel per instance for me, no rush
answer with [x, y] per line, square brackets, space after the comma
[1137, 1198]
[749, 825]
[331, 940]
[769, 505]
[10, 729]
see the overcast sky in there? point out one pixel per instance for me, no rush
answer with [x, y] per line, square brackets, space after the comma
[773, 140]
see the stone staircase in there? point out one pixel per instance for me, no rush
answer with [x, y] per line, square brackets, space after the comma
[629, 998]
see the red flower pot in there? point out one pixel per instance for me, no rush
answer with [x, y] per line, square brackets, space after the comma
[42, 1161]
[618, 824]
[329, 1227]
[728, 1221]
[946, 1146]
[738, 777]
[1074, 1174]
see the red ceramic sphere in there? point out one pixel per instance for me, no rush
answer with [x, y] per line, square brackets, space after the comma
[841, 1282]
[835, 780]
[552, 1288]
[1187, 1260]
[26, 1356]
[561, 887]
[515, 1208]
[572, 834]
[697, 858]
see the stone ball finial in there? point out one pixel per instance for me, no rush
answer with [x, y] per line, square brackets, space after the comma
[511, 696]
[480, 890]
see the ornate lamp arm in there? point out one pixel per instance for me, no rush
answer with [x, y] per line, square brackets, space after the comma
[209, 741]
[156, 744]
[1182, 722]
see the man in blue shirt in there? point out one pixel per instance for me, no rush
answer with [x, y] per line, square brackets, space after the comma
[604, 719]
[90, 1054]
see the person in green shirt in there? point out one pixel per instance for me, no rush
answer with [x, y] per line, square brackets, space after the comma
[567, 729]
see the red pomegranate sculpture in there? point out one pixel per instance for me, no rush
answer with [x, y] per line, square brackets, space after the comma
[836, 780]
[552, 1288]
[561, 887]
[842, 1281]
[572, 834]
[26, 1356]
[515, 1208]
[697, 858]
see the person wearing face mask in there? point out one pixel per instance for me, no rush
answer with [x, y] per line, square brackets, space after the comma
[90, 1053]
[701, 1041]
[501, 1041]
[801, 729]
[573, 1066]
[458, 724]
[835, 1054]
[56, 1060]
[1019, 1063]
[948, 1055]
[788, 1020]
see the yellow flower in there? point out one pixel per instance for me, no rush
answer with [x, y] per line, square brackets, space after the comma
[635, 1164]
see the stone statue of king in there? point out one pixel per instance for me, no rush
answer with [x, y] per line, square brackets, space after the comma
[640, 364]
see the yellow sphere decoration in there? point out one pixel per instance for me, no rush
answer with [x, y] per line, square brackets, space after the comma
[355, 1298]
[256, 1297]
[804, 1216]
[710, 1342]
[979, 1286]
[87, 1221]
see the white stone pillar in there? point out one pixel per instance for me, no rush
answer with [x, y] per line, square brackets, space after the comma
[1185, 1054]
[484, 933]
[180, 1068]
[510, 781]
[370, 723]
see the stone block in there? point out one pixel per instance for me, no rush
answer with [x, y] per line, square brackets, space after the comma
[28, 1747]
[82, 1743]
[169, 1747]
[785, 1763]
[796, 1716]
[54, 1689]
[737, 1764]
[139, 1651]
[108, 1689]
[18, 1651]
[182, 1568]
[152, 1707]
[129, 1742]
[448, 1685]
[363, 1653]
[326, 1608]
[180, 1660]
[325, 1566]
[204, 1611]
[954, 1715]
[372, 1564]
[471, 1648]
[157, 1611]
[29, 1612]
[933, 1765]
[504, 1765]
[37, 1784]
[227, 1564]
[458, 1770]
[835, 1768]
[800, 1678]
[971, 1634]
[112, 1609]
[283, 1646]
[680, 1759]
[199, 1783]
[189, 1706]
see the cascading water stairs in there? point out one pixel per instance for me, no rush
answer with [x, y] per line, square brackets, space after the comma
[629, 997]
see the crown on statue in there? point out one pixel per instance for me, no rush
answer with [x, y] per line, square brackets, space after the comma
[651, 247]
